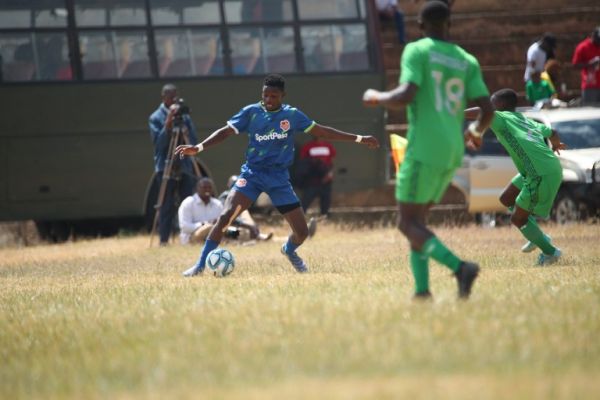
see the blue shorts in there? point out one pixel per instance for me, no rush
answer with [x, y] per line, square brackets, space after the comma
[273, 181]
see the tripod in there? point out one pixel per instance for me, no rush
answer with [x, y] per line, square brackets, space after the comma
[178, 132]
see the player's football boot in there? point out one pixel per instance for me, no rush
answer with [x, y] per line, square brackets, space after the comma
[530, 246]
[545, 259]
[192, 271]
[423, 296]
[298, 264]
[465, 276]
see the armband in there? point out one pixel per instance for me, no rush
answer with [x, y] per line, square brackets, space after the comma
[473, 130]
[359, 138]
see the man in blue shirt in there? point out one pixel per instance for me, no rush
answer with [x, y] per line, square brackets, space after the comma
[271, 127]
[162, 121]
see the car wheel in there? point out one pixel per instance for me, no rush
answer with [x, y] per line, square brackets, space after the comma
[565, 209]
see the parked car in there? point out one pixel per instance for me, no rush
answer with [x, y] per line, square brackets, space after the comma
[485, 174]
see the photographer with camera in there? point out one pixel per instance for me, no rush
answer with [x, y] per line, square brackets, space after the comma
[170, 126]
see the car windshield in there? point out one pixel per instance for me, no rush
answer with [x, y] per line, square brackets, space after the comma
[580, 134]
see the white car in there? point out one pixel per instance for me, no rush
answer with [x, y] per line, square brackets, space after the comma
[485, 174]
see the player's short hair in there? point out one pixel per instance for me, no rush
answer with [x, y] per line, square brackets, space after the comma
[435, 12]
[204, 179]
[275, 80]
[508, 97]
[168, 88]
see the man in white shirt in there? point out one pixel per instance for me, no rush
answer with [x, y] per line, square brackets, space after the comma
[538, 53]
[198, 213]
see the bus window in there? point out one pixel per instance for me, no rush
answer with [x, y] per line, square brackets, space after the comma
[53, 57]
[103, 13]
[354, 55]
[335, 47]
[245, 50]
[114, 54]
[278, 50]
[186, 12]
[323, 46]
[258, 11]
[18, 63]
[329, 9]
[33, 13]
[187, 52]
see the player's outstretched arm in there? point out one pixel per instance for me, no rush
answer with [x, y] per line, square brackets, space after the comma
[326, 132]
[396, 98]
[555, 142]
[215, 138]
[482, 116]
[472, 113]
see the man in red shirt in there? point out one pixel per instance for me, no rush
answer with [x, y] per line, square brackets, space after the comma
[317, 155]
[587, 58]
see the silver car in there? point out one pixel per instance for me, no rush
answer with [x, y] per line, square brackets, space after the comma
[486, 173]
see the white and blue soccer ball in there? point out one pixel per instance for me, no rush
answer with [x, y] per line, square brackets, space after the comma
[220, 262]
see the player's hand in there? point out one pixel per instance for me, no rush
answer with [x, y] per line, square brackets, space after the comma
[186, 150]
[371, 97]
[557, 147]
[473, 143]
[370, 141]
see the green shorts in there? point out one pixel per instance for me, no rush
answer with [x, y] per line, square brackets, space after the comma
[420, 183]
[537, 193]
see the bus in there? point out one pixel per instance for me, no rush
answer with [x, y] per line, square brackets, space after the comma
[79, 79]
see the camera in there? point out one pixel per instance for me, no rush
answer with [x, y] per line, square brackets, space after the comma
[183, 108]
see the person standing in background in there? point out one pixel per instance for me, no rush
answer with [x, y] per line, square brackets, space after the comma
[538, 53]
[181, 179]
[319, 155]
[587, 58]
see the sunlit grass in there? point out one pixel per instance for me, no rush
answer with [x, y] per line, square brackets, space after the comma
[113, 318]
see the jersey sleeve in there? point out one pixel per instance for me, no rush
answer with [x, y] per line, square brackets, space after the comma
[301, 122]
[475, 86]
[546, 131]
[411, 65]
[240, 121]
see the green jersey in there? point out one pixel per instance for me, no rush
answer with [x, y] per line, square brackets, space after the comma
[447, 76]
[538, 90]
[523, 138]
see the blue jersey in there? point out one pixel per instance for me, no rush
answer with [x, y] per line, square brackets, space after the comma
[270, 134]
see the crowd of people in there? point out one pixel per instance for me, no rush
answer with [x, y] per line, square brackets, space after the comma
[543, 71]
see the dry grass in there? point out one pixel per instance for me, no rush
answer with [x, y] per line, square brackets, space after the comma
[112, 318]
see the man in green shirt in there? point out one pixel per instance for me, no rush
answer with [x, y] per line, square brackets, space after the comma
[533, 190]
[437, 79]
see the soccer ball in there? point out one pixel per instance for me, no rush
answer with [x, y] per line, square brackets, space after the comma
[220, 262]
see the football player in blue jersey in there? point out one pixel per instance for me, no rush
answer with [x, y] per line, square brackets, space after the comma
[271, 127]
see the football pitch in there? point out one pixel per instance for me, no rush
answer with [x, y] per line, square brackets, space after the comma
[111, 318]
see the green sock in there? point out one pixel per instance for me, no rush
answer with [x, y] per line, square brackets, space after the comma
[440, 253]
[420, 269]
[534, 234]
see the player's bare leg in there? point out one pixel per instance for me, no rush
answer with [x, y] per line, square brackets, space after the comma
[508, 198]
[529, 228]
[297, 222]
[425, 244]
[235, 204]
[509, 195]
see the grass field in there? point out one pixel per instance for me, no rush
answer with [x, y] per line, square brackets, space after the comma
[113, 319]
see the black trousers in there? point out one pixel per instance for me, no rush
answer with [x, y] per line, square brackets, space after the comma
[322, 191]
[177, 189]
